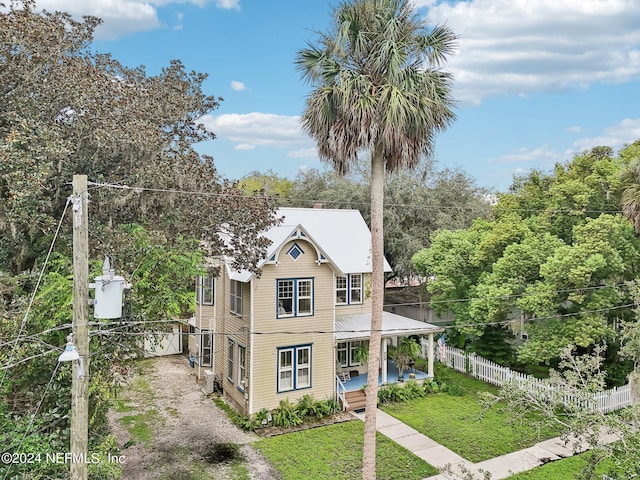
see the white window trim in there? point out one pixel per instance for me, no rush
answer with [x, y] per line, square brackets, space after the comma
[235, 298]
[230, 360]
[242, 365]
[205, 334]
[294, 368]
[295, 300]
[346, 292]
[203, 283]
[352, 289]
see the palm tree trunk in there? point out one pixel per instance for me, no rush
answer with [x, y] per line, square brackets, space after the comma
[377, 300]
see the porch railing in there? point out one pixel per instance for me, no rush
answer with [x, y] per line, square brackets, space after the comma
[341, 393]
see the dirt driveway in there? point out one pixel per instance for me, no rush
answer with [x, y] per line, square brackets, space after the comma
[168, 427]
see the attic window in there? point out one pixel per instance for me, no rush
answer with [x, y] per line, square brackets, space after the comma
[295, 251]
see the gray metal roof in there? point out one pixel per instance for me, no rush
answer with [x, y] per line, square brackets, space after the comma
[358, 326]
[341, 234]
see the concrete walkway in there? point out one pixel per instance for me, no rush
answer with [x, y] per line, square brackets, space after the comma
[454, 467]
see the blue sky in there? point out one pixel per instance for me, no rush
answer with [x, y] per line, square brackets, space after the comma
[537, 81]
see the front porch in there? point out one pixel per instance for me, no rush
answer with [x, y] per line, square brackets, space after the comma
[356, 383]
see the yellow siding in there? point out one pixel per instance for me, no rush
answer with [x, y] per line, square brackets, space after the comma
[292, 331]
[271, 333]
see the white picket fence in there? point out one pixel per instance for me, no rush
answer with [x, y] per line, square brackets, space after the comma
[490, 372]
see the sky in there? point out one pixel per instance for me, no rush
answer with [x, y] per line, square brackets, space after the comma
[536, 81]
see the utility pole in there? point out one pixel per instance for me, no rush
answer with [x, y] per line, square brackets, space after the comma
[80, 375]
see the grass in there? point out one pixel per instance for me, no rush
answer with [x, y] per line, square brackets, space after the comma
[140, 426]
[564, 469]
[335, 451]
[459, 424]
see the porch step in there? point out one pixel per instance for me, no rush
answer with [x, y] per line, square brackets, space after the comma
[355, 400]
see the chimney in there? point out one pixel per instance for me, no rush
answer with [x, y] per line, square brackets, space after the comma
[317, 205]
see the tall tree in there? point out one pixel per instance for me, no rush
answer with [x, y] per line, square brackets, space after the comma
[377, 86]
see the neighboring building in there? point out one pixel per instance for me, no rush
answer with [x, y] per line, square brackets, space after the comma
[287, 332]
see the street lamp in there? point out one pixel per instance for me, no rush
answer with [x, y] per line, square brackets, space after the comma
[70, 354]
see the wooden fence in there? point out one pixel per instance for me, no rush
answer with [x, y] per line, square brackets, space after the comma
[490, 372]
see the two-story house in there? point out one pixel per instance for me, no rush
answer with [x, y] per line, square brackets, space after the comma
[290, 330]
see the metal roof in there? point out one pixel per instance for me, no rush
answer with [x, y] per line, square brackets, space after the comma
[358, 326]
[341, 234]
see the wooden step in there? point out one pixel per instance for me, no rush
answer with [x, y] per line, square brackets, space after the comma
[355, 400]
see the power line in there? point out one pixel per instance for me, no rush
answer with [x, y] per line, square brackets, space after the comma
[33, 417]
[278, 198]
[35, 290]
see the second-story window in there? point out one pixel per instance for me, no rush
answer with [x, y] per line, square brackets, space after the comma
[349, 289]
[204, 290]
[235, 298]
[230, 351]
[295, 297]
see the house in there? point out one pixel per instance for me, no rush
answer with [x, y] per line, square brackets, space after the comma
[290, 330]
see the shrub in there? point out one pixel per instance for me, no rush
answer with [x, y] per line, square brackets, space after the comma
[286, 415]
[391, 394]
[413, 390]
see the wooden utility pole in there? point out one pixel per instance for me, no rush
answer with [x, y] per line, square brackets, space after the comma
[80, 375]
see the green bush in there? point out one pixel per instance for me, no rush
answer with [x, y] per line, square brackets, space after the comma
[286, 415]
[413, 390]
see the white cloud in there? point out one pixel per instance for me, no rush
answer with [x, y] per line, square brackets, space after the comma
[574, 129]
[244, 146]
[524, 46]
[228, 4]
[540, 156]
[121, 17]
[625, 132]
[258, 129]
[238, 86]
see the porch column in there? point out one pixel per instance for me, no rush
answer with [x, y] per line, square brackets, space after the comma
[383, 360]
[430, 356]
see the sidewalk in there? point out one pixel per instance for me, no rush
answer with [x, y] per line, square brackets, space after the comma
[456, 466]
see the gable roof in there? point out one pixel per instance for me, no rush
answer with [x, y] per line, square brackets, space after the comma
[342, 236]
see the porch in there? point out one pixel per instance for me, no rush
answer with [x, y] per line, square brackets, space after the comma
[357, 382]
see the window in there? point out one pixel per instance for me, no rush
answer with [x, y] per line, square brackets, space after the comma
[342, 354]
[341, 290]
[294, 368]
[295, 297]
[346, 353]
[205, 348]
[235, 298]
[349, 289]
[242, 362]
[204, 290]
[355, 288]
[295, 252]
[230, 352]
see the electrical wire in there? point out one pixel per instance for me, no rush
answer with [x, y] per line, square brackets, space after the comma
[33, 417]
[23, 324]
[335, 202]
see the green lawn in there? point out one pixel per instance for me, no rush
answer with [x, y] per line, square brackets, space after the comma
[335, 451]
[455, 422]
[564, 469]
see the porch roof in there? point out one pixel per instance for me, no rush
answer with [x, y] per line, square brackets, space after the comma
[358, 326]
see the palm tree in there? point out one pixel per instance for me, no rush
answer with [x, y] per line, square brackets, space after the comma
[377, 87]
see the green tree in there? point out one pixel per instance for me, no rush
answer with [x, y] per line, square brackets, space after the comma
[156, 207]
[269, 183]
[556, 256]
[377, 85]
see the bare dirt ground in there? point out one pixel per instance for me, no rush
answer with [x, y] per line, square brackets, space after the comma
[183, 424]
